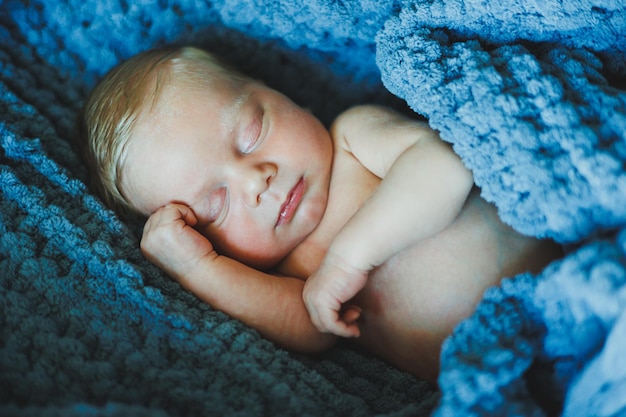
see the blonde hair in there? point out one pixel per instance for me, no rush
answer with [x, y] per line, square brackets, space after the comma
[113, 107]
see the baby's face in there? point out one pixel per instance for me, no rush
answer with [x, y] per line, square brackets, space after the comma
[253, 166]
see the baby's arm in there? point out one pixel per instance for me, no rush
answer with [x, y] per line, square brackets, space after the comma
[424, 188]
[272, 305]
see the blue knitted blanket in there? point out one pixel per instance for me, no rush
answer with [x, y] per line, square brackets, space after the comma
[529, 92]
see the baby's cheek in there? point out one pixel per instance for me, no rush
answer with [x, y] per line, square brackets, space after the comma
[249, 246]
[311, 213]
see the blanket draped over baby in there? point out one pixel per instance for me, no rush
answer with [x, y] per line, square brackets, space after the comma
[529, 92]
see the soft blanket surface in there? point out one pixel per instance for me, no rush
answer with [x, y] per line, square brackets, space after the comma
[528, 92]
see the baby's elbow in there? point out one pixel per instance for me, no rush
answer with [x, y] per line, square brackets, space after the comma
[467, 182]
[460, 180]
[455, 196]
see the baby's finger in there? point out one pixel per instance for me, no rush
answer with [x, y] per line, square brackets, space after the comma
[332, 323]
[351, 314]
[343, 329]
[183, 212]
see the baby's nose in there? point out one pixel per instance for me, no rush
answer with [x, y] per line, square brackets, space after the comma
[257, 180]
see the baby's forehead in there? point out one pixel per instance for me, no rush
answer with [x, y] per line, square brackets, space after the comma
[227, 96]
[171, 84]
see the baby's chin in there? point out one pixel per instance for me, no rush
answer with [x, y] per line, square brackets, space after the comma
[263, 264]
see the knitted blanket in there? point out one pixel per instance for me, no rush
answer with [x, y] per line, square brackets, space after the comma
[530, 94]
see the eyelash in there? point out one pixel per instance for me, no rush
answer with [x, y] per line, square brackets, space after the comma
[250, 144]
[218, 201]
[246, 149]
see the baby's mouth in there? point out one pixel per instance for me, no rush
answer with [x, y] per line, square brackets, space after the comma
[288, 209]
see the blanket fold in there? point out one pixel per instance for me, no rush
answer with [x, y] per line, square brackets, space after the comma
[544, 133]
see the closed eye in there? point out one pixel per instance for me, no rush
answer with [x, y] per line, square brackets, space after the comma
[251, 135]
[217, 205]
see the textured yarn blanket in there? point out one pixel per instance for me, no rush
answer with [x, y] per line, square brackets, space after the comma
[529, 92]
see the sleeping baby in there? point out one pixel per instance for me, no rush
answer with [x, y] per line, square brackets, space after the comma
[371, 230]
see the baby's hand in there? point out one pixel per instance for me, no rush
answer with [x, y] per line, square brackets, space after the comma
[170, 241]
[325, 293]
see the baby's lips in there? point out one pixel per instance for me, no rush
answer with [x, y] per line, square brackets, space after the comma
[292, 201]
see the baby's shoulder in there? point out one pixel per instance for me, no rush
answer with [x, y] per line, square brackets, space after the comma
[358, 125]
[357, 116]
[376, 135]
[376, 122]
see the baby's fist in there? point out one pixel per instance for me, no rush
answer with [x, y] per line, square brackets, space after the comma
[170, 241]
[326, 293]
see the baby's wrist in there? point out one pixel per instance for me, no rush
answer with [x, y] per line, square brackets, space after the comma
[348, 258]
[185, 270]
[360, 245]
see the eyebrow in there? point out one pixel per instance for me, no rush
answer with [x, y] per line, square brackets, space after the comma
[231, 115]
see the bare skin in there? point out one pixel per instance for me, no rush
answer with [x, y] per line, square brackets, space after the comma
[413, 301]
[440, 281]
[436, 246]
